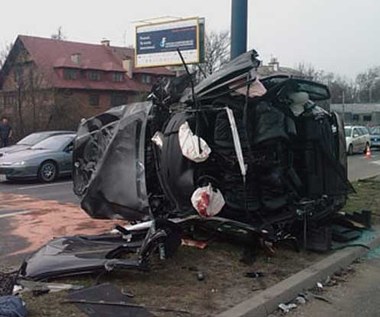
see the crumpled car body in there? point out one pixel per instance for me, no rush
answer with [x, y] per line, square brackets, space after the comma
[272, 165]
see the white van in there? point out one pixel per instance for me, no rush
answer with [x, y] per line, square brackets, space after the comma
[358, 139]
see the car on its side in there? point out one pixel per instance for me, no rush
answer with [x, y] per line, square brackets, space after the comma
[46, 160]
[30, 140]
[375, 136]
[357, 139]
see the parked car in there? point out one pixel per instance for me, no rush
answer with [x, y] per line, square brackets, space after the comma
[46, 160]
[375, 136]
[357, 139]
[30, 140]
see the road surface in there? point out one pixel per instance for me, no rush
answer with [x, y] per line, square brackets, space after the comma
[61, 190]
[356, 297]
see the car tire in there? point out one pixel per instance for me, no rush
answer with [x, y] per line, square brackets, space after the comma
[48, 172]
[350, 150]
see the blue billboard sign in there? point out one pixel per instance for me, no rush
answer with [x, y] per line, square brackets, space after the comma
[157, 44]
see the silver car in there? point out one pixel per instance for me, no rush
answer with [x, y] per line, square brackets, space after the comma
[357, 139]
[30, 140]
[46, 160]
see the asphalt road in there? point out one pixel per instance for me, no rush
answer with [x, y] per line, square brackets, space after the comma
[61, 191]
[360, 166]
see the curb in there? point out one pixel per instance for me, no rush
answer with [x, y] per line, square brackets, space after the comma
[261, 305]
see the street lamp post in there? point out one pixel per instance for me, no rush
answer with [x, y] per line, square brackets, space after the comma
[239, 23]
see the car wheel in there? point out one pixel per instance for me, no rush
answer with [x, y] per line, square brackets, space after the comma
[350, 150]
[47, 172]
[366, 148]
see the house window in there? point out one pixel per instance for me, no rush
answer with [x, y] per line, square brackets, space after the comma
[355, 117]
[146, 79]
[9, 99]
[18, 72]
[93, 100]
[117, 77]
[367, 117]
[118, 100]
[70, 73]
[93, 75]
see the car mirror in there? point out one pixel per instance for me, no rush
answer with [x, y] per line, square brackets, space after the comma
[355, 135]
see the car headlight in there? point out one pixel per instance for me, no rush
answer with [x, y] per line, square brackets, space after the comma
[21, 163]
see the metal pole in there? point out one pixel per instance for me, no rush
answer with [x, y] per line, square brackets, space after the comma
[239, 22]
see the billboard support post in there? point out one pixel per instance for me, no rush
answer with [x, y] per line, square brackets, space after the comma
[239, 23]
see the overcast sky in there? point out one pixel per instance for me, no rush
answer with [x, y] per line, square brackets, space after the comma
[342, 36]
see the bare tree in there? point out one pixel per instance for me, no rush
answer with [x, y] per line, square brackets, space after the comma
[369, 85]
[341, 89]
[4, 53]
[217, 51]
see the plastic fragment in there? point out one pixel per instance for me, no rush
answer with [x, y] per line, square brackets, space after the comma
[158, 139]
[286, 308]
[207, 201]
[300, 300]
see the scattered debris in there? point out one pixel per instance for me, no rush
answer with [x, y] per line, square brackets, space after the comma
[322, 298]
[200, 276]
[300, 300]
[193, 243]
[286, 308]
[43, 287]
[106, 300]
[254, 274]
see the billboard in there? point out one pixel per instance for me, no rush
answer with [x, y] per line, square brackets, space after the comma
[157, 43]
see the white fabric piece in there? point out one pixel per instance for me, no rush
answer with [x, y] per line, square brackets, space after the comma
[299, 99]
[207, 201]
[158, 139]
[193, 147]
[256, 89]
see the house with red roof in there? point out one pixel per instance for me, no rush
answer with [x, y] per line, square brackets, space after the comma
[48, 83]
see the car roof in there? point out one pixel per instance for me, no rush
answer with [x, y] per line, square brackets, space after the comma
[54, 132]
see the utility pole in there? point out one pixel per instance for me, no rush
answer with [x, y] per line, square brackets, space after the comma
[239, 24]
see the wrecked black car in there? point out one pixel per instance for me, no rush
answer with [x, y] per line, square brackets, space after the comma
[264, 145]
[253, 159]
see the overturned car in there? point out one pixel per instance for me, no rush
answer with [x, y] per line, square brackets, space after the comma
[264, 149]
[234, 153]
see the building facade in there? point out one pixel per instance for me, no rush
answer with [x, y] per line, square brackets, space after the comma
[50, 84]
[358, 113]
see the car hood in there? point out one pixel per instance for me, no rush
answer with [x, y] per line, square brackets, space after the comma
[23, 155]
[13, 148]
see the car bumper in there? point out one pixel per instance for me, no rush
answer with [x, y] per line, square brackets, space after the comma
[19, 171]
[375, 142]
